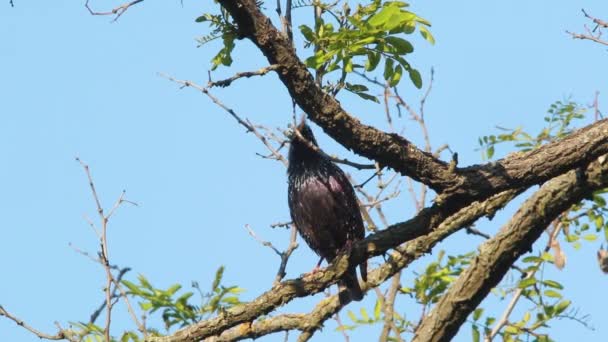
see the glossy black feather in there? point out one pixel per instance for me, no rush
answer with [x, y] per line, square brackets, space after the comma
[323, 205]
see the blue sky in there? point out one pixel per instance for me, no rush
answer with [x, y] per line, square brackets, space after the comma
[76, 85]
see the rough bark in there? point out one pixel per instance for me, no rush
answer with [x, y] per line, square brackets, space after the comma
[499, 253]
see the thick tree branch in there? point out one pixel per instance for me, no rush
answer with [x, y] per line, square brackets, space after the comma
[395, 152]
[316, 282]
[499, 253]
[392, 150]
[433, 221]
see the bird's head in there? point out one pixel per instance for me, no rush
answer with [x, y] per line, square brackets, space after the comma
[303, 146]
[304, 132]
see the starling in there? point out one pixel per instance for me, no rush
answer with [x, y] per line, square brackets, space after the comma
[323, 205]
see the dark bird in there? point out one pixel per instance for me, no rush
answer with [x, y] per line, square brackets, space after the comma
[323, 205]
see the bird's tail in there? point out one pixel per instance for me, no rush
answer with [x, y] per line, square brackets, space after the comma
[363, 270]
[350, 282]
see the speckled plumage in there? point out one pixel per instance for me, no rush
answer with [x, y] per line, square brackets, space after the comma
[323, 205]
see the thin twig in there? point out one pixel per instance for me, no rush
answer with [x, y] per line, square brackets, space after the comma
[103, 305]
[281, 224]
[104, 259]
[117, 11]
[61, 335]
[226, 82]
[389, 307]
[597, 21]
[293, 244]
[243, 122]
[594, 34]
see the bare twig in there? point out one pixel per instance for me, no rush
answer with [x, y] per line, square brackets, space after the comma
[103, 305]
[594, 34]
[284, 255]
[587, 37]
[281, 224]
[226, 82]
[61, 335]
[260, 241]
[117, 11]
[388, 307]
[243, 122]
[597, 21]
[597, 114]
[104, 259]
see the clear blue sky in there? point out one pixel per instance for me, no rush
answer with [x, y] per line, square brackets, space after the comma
[76, 85]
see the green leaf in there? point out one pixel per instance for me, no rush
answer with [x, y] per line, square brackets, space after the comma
[511, 329]
[230, 300]
[599, 200]
[532, 259]
[553, 294]
[171, 291]
[388, 69]
[401, 22]
[396, 76]
[145, 306]
[426, 34]
[352, 316]
[546, 256]
[477, 313]
[364, 314]
[368, 97]
[132, 287]
[599, 221]
[553, 284]
[543, 338]
[561, 306]
[377, 309]
[415, 77]
[475, 333]
[144, 282]
[383, 16]
[348, 65]
[184, 298]
[356, 87]
[401, 45]
[526, 283]
[373, 58]
[571, 238]
[307, 32]
[590, 237]
[218, 278]
[490, 152]
[235, 289]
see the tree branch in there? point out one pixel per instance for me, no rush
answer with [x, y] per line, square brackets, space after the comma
[61, 335]
[499, 253]
[316, 282]
[394, 151]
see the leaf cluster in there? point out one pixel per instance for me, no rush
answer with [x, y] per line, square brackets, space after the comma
[560, 117]
[373, 33]
[221, 27]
